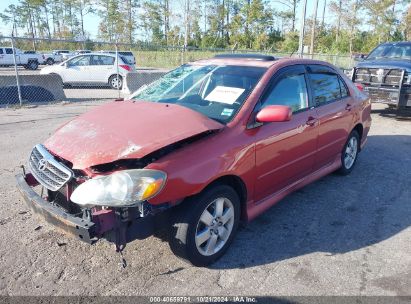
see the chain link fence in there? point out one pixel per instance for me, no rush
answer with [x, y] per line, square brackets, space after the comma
[54, 70]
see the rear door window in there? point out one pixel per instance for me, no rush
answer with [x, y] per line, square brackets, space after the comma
[9, 51]
[326, 84]
[326, 87]
[102, 60]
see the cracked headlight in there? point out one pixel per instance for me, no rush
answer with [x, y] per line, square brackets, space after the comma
[121, 189]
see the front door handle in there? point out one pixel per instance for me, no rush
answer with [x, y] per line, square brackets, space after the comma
[311, 121]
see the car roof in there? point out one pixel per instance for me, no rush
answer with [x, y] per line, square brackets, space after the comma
[95, 53]
[241, 61]
[397, 43]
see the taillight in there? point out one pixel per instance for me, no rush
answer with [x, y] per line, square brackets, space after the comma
[359, 86]
[125, 66]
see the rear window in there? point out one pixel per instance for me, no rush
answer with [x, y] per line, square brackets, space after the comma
[126, 53]
[125, 60]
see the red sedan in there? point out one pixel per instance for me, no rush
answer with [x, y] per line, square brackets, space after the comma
[208, 145]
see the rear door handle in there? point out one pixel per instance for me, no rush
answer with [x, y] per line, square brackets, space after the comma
[311, 121]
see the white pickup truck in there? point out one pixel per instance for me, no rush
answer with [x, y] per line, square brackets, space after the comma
[51, 58]
[29, 61]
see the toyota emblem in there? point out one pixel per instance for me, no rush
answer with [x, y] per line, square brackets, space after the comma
[42, 165]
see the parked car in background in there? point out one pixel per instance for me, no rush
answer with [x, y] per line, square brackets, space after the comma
[91, 69]
[29, 61]
[126, 54]
[51, 57]
[208, 145]
[386, 75]
[358, 56]
[78, 52]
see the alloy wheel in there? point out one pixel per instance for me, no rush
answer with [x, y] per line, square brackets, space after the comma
[214, 226]
[351, 152]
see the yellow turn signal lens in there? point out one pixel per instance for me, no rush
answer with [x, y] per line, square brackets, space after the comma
[152, 189]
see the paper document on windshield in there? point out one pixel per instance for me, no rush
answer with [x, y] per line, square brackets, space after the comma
[227, 95]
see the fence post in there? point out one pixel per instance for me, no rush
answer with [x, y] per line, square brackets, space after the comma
[118, 76]
[16, 71]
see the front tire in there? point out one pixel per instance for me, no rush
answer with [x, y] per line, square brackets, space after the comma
[205, 225]
[349, 153]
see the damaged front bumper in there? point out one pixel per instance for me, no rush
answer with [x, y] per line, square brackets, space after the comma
[102, 221]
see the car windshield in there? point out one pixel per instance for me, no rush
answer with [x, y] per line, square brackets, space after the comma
[217, 91]
[399, 51]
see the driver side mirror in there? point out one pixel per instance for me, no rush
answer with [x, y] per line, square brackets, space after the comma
[274, 114]
[359, 58]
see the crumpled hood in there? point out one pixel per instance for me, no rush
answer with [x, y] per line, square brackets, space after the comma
[125, 130]
[386, 64]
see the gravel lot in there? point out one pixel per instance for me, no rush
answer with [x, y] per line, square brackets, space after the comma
[339, 236]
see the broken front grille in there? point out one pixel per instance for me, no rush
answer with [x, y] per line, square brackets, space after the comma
[379, 76]
[47, 170]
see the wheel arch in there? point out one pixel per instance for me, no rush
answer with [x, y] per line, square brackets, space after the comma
[114, 74]
[57, 74]
[235, 182]
[360, 130]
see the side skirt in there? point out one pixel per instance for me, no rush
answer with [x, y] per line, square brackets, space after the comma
[255, 209]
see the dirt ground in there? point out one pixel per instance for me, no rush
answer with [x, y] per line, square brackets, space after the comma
[339, 236]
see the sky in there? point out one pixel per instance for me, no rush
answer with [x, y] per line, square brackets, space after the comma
[92, 20]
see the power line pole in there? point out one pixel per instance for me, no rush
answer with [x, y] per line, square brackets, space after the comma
[313, 29]
[322, 23]
[301, 42]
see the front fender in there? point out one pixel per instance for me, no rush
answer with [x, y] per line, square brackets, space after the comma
[191, 169]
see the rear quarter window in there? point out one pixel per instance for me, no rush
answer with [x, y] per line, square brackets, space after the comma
[343, 88]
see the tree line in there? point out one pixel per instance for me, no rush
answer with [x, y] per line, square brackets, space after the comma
[338, 26]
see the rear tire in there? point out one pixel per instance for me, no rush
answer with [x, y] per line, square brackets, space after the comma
[204, 226]
[32, 65]
[349, 154]
[403, 113]
[114, 83]
[50, 61]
